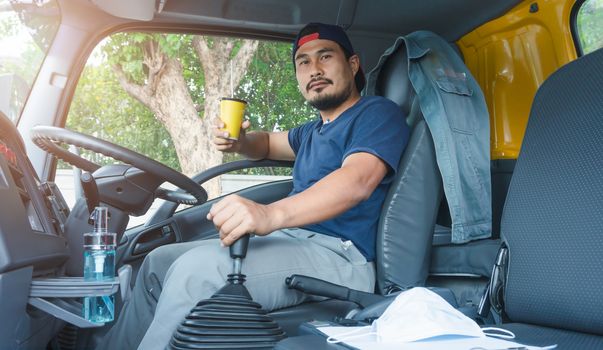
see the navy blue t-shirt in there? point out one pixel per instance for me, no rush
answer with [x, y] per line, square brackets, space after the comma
[373, 125]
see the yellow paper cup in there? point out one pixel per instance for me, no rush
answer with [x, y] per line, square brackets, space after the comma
[231, 114]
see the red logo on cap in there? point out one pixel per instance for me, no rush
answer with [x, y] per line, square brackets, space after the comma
[307, 38]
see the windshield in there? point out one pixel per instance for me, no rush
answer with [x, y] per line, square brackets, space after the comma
[26, 32]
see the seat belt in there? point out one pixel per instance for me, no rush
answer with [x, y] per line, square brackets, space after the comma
[494, 294]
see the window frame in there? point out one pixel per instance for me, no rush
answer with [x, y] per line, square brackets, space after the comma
[85, 53]
[574, 26]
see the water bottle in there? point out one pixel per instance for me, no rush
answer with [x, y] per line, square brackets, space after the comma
[99, 265]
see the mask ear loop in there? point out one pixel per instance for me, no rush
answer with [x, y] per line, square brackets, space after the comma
[506, 334]
[350, 335]
[499, 333]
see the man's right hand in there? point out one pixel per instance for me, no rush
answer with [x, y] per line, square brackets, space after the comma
[221, 140]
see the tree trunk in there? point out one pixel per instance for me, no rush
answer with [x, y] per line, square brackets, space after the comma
[166, 94]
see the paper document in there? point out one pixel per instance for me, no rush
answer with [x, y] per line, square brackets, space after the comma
[449, 342]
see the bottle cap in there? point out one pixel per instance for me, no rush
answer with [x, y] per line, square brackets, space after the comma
[99, 238]
[100, 219]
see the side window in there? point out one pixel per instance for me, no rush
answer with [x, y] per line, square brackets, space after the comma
[158, 94]
[589, 26]
[26, 32]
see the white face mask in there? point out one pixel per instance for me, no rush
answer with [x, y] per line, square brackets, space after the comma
[418, 314]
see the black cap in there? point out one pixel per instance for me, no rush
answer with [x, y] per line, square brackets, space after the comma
[313, 31]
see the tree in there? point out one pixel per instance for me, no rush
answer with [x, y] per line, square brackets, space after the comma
[166, 93]
[101, 104]
[102, 108]
[275, 102]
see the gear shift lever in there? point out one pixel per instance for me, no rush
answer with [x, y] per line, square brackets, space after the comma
[238, 251]
[230, 319]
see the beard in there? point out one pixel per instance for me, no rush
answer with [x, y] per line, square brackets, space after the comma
[331, 101]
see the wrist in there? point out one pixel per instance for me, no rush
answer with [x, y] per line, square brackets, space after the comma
[253, 145]
[276, 216]
[239, 145]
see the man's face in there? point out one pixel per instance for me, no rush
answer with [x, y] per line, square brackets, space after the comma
[324, 75]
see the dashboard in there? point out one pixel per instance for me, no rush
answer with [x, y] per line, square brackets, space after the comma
[32, 214]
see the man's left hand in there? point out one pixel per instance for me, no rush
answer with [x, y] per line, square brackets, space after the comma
[235, 216]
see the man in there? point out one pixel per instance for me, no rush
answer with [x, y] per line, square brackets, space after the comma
[325, 228]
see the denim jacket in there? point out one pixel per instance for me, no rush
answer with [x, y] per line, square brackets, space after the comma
[455, 111]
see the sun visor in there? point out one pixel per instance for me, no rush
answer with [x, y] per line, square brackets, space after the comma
[142, 10]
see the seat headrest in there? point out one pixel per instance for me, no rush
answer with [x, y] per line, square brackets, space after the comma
[393, 82]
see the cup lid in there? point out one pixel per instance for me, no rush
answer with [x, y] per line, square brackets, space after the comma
[233, 99]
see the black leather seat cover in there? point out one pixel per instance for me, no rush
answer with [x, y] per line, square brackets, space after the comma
[410, 209]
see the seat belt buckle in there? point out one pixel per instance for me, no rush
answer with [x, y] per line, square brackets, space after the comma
[497, 280]
[483, 308]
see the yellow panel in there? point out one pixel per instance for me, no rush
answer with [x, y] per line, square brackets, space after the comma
[510, 57]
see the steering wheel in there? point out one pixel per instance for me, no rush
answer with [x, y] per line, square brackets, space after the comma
[49, 138]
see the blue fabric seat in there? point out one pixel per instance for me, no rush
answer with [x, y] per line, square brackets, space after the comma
[543, 336]
[552, 218]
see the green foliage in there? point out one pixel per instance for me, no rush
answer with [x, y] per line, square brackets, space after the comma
[103, 108]
[42, 21]
[33, 30]
[9, 25]
[275, 103]
[590, 25]
[26, 67]
[126, 50]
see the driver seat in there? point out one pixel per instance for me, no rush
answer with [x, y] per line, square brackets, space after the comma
[408, 216]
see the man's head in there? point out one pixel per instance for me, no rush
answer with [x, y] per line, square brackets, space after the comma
[326, 67]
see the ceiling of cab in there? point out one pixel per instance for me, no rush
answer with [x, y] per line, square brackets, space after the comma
[449, 18]
[371, 24]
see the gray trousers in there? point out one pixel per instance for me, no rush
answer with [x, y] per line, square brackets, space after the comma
[172, 279]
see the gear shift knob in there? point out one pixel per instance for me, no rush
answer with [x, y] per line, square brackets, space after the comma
[239, 248]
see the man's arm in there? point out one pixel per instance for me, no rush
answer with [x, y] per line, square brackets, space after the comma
[337, 192]
[266, 145]
[256, 144]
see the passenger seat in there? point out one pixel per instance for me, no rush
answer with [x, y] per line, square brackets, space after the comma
[552, 222]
